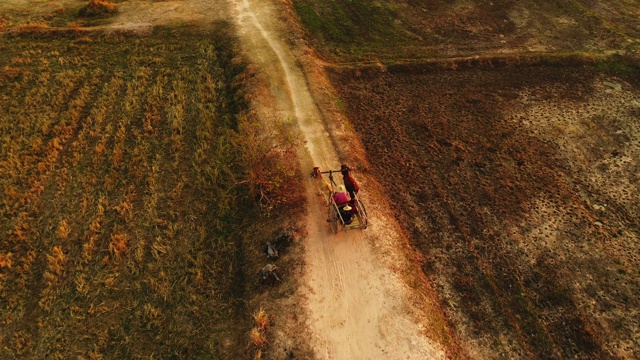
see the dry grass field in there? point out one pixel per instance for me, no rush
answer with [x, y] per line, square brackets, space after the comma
[129, 175]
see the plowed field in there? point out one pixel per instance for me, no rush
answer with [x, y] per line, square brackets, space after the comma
[412, 29]
[520, 187]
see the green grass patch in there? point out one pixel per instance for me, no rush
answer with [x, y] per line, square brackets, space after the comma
[351, 22]
[353, 31]
[353, 27]
[620, 65]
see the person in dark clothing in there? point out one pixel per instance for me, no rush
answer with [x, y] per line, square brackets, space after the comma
[349, 182]
[347, 214]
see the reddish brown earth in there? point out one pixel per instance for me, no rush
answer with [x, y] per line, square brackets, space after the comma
[520, 187]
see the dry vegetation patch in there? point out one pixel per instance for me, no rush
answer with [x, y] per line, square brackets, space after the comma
[98, 8]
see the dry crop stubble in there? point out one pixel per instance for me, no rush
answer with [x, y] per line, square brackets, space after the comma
[124, 179]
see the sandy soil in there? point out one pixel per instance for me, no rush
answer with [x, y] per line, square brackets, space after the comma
[355, 302]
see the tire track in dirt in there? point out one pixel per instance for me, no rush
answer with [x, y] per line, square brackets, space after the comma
[302, 104]
[357, 306]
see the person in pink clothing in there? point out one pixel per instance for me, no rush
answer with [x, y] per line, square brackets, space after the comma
[340, 196]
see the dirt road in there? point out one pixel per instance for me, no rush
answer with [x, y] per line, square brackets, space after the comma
[356, 301]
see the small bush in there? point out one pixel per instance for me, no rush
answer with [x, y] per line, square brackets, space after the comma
[262, 320]
[269, 157]
[98, 8]
[258, 337]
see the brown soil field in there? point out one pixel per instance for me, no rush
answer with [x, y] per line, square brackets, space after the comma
[418, 29]
[520, 186]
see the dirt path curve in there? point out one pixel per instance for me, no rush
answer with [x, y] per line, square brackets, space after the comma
[357, 306]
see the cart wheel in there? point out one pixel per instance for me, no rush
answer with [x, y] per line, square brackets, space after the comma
[333, 219]
[361, 207]
[363, 215]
